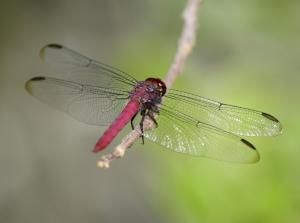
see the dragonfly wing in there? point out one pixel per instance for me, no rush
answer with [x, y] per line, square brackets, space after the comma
[238, 120]
[89, 104]
[81, 69]
[89, 91]
[181, 133]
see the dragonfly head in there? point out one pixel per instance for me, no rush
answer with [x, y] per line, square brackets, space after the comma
[159, 85]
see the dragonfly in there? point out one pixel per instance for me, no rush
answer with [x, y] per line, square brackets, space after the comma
[99, 94]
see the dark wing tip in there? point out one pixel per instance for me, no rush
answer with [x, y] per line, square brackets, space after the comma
[54, 46]
[39, 78]
[248, 144]
[268, 116]
[28, 84]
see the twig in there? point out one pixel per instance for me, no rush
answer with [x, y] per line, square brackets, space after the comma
[185, 45]
[186, 41]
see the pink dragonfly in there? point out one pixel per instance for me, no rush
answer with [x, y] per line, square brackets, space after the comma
[98, 94]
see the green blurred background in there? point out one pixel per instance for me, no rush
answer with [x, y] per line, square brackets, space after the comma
[247, 53]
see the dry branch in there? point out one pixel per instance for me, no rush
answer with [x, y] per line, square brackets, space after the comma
[185, 45]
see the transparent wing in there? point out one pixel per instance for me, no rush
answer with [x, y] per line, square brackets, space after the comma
[90, 91]
[238, 120]
[81, 69]
[181, 133]
[89, 104]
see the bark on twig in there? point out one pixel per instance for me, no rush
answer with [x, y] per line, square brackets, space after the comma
[185, 45]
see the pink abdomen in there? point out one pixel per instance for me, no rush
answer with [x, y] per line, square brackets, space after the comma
[125, 116]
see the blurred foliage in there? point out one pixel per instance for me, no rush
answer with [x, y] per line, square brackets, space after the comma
[247, 53]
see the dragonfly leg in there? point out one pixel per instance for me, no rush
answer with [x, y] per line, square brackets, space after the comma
[151, 116]
[143, 114]
[131, 121]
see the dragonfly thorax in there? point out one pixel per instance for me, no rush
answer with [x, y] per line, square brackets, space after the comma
[149, 91]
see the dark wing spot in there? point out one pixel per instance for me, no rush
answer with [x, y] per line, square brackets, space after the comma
[272, 118]
[28, 84]
[55, 46]
[248, 144]
[38, 79]
[219, 107]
